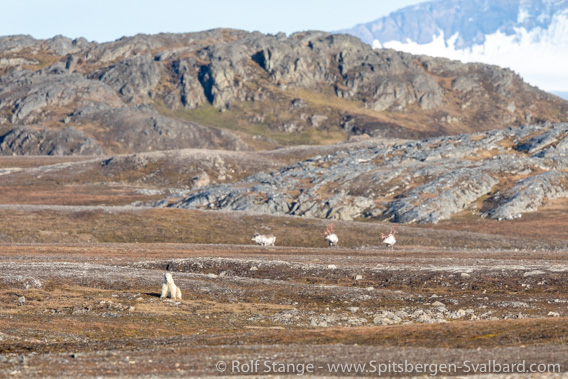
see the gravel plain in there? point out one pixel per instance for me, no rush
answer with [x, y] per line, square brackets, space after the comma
[94, 310]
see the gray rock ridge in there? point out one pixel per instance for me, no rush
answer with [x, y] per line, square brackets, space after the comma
[25, 140]
[134, 79]
[30, 95]
[490, 174]
[529, 194]
[266, 80]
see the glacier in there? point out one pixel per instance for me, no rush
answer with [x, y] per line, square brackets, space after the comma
[528, 36]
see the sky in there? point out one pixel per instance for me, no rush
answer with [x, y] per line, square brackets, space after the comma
[108, 20]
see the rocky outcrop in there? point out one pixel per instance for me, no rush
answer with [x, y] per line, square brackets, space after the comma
[141, 128]
[499, 174]
[450, 193]
[32, 97]
[25, 140]
[530, 194]
[134, 79]
[341, 85]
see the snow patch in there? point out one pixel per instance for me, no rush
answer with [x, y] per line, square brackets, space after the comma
[538, 55]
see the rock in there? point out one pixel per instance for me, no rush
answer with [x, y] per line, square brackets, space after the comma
[553, 314]
[30, 96]
[460, 313]
[533, 273]
[298, 103]
[382, 321]
[202, 180]
[191, 90]
[356, 321]
[317, 119]
[427, 181]
[26, 140]
[466, 84]
[16, 62]
[425, 319]
[14, 44]
[529, 194]
[225, 69]
[517, 304]
[134, 78]
[401, 314]
[541, 141]
[218, 82]
[141, 128]
[417, 207]
[106, 91]
[359, 277]
[61, 45]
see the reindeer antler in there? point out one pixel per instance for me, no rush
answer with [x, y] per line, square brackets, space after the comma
[391, 233]
[329, 230]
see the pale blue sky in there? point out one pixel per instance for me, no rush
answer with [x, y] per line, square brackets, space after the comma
[107, 20]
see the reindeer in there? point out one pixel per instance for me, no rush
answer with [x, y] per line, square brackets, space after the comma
[330, 236]
[264, 240]
[389, 239]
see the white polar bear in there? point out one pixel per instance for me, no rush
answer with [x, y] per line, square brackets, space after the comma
[169, 288]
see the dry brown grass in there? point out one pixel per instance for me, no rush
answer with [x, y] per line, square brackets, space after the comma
[217, 227]
[71, 195]
[459, 335]
[548, 224]
[97, 311]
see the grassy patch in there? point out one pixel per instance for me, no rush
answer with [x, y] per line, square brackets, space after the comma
[235, 119]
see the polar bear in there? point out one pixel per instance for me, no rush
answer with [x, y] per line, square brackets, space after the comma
[169, 288]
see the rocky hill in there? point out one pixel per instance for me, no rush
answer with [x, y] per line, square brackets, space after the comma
[234, 90]
[499, 174]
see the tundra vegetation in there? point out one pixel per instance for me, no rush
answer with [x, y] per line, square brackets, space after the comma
[125, 159]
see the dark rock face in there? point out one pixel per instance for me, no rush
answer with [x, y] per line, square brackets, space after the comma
[338, 82]
[133, 78]
[492, 174]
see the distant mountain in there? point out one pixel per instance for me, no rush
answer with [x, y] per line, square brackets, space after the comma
[234, 90]
[528, 36]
